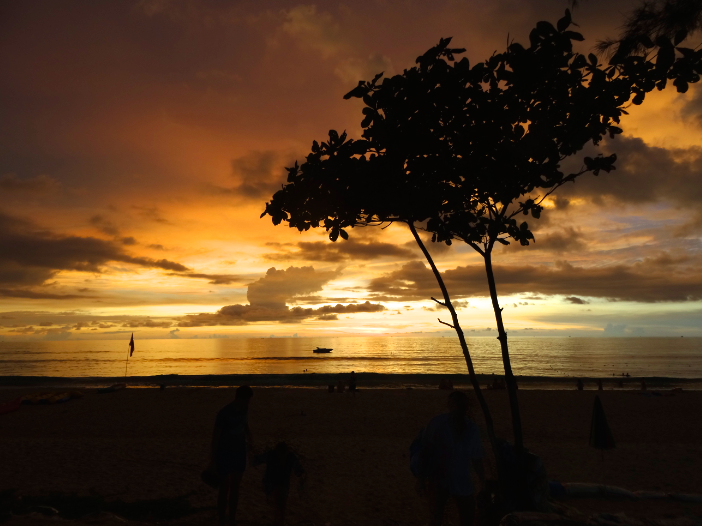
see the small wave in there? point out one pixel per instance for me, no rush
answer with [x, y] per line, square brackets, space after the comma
[72, 360]
[306, 359]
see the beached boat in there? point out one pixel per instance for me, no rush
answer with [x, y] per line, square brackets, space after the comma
[322, 350]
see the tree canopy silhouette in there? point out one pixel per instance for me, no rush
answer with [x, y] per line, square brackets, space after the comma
[468, 151]
[653, 21]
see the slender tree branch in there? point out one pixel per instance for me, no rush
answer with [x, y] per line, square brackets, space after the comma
[477, 249]
[447, 324]
[509, 376]
[466, 353]
[439, 302]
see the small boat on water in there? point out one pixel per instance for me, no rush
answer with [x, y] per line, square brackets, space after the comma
[320, 350]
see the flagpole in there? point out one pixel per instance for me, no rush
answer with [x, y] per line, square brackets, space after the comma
[126, 364]
[129, 353]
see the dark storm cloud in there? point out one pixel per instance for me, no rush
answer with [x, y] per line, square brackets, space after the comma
[692, 109]
[644, 174]
[458, 305]
[260, 172]
[268, 297]
[104, 225]
[150, 213]
[576, 301]
[245, 314]
[350, 309]
[40, 295]
[30, 255]
[40, 322]
[278, 287]
[341, 251]
[658, 279]
[214, 279]
[315, 299]
[107, 227]
[134, 323]
[567, 239]
[40, 184]
[258, 175]
[691, 226]
[105, 87]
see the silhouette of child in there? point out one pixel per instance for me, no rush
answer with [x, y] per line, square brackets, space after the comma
[280, 463]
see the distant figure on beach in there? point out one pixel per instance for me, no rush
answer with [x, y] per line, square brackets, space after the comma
[352, 382]
[340, 386]
[497, 383]
[229, 448]
[579, 384]
[449, 446]
[446, 384]
[280, 463]
[643, 385]
[600, 387]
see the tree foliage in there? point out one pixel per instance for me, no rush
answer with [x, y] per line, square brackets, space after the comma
[456, 144]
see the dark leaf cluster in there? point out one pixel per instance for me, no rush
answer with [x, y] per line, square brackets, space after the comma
[653, 21]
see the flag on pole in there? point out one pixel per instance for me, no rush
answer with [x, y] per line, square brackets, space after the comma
[131, 345]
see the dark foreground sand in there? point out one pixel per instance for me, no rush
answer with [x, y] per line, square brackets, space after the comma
[144, 444]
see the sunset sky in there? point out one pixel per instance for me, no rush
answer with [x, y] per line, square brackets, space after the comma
[140, 141]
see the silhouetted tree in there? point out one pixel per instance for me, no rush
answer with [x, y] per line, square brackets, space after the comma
[465, 151]
[652, 20]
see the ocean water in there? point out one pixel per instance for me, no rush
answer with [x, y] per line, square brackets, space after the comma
[531, 356]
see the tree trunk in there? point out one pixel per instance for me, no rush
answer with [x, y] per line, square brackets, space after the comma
[509, 377]
[464, 346]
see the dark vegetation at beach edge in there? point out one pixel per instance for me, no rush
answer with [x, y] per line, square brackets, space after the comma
[365, 380]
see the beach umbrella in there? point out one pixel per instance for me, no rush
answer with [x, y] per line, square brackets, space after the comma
[600, 435]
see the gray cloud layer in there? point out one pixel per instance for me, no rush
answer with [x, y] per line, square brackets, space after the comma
[651, 280]
[268, 297]
[341, 251]
[644, 174]
[30, 255]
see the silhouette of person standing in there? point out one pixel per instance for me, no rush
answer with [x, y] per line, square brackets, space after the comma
[450, 446]
[352, 382]
[229, 448]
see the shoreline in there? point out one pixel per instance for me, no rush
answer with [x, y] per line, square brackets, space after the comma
[364, 380]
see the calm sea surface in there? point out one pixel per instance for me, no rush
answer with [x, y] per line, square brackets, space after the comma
[590, 357]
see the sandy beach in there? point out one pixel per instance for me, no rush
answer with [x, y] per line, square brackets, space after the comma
[144, 444]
